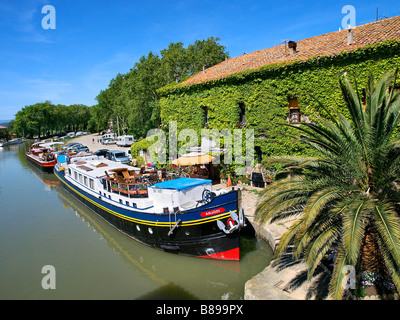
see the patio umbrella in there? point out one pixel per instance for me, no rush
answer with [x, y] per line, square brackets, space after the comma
[193, 160]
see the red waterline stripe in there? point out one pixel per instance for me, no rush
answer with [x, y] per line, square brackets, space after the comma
[232, 254]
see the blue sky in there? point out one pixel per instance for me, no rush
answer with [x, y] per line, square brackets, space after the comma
[95, 40]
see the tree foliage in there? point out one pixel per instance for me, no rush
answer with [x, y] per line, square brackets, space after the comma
[45, 118]
[132, 100]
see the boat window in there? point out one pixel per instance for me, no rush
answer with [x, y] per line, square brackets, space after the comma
[69, 171]
[75, 175]
[127, 203]
[85, 179]
[91, 183]
[120, 200]
[80, 178]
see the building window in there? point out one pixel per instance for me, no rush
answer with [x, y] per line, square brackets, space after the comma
[242, 116]
[257, 149]
[294, 115]
[205, 116]
[294, 111]
[242, 112]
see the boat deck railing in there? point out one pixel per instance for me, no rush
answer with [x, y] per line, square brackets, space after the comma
[130, 184]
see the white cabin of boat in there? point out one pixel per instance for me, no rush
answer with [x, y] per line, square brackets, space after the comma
[133, 187]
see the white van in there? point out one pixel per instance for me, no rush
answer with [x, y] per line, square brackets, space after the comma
[111, 135]
[107, 136]
[124, 141]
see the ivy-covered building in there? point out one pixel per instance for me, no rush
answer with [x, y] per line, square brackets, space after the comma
[278, 85]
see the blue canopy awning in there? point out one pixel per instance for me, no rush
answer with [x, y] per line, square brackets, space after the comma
[62, 158]
[181, 183]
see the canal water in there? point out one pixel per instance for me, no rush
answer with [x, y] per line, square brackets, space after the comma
[41, 224]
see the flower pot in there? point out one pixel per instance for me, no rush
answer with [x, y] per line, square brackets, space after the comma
[371, 291]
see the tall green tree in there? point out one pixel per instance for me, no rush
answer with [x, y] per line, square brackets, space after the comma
[80, 116]
[103, 111]
[174, 63]
[131, 99]
[205, 53]
[45, 118]
[142, 84]
[348, 198]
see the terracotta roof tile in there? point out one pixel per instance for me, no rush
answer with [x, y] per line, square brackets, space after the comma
[327, 44]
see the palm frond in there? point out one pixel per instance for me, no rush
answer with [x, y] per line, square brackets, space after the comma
[318, 200]
[393, 268]
[319, 246]
[280, 196]
[354, 223]
[354, 106]
[336, 287]
[287, 238]
[388, 226]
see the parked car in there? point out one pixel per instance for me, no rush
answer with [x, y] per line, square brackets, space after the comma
[69, 145]
[79, 148]
[73, 147]
[101, 152]
[109, 141]
[118, 156]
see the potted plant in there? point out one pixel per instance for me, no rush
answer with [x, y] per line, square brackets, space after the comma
[142, 190]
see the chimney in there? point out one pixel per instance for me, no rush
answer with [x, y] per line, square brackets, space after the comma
[292, 47]
[350, 37]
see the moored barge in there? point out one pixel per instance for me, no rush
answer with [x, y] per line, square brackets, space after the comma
[181, 216]
[43, 156]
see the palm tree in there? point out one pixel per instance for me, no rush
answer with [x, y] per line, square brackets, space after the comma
[347, 199]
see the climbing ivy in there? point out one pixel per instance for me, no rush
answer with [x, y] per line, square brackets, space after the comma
[265, 93]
